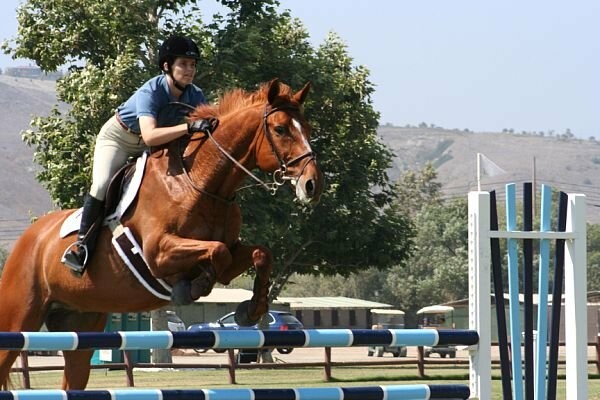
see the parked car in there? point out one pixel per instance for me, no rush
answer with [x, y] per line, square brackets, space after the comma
[278, 320]
[175, 323]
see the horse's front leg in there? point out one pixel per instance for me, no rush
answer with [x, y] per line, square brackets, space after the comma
[244, 257]
[189, 260]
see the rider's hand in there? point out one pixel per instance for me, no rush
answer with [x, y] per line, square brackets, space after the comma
[201, 125]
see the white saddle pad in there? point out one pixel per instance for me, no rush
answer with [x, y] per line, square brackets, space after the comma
[73, 221]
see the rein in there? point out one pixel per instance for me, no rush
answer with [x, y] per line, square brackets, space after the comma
[279, 175]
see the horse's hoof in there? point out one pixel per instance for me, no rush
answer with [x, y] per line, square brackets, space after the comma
[181, 294]
[242, 316]
[203, 284]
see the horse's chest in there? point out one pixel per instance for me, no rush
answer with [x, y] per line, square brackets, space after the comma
[218, 229]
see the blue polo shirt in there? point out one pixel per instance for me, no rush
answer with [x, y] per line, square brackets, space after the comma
[152, 99]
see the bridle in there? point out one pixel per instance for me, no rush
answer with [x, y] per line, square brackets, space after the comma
[280, 175]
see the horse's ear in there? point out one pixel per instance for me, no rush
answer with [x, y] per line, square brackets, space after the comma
[273, 90]
[300, 96]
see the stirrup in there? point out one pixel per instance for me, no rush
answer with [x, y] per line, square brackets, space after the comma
[72, 259]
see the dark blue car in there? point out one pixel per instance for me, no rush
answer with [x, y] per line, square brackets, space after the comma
[278, 320]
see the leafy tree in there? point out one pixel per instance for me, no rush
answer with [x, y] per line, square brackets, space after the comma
[418, 188]
[3, 256]
[366, 284]
[111, 47]
[438, 270]
[593, 257]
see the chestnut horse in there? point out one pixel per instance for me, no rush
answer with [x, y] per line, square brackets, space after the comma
[185, 218]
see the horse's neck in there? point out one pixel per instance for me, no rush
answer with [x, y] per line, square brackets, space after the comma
[212, 170]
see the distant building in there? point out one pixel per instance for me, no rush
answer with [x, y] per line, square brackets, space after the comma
[333, 312]
[32, 72]
[314, 312]
[461, 314]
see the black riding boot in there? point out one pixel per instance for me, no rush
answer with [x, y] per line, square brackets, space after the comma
[76, 256]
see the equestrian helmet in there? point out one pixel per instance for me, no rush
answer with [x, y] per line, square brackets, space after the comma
[176, 46]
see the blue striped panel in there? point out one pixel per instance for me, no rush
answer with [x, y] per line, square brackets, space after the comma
[239, 338]
[413, 392]
[415, 337]
[513, 291]
[229, 394]
[542, 320]
[319, 393]
[40, 395]
[139, 340]
[328, 338]
[138, 394]
[41, 341]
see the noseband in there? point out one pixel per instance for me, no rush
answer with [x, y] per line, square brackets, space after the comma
[280, 175]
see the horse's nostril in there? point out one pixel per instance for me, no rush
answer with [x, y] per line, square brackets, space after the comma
[310, 188]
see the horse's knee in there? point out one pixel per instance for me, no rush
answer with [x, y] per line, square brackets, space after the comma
[220, 256]
[262, 258]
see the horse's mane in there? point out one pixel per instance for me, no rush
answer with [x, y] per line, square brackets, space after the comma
[236, 99]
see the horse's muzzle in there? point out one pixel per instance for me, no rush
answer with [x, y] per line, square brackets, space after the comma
[310, 184]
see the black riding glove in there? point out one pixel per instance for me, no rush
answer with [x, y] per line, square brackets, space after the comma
[201, 125]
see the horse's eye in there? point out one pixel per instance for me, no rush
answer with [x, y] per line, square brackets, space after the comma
[281, 130]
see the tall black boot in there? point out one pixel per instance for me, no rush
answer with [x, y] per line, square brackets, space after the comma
[77, 255]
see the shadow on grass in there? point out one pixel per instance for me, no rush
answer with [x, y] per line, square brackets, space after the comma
[371, 378]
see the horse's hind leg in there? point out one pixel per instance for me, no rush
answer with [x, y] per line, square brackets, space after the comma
[7, 358]
[77, 363]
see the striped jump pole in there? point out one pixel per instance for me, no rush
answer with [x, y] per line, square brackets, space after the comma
[135, 340]
[484, 252]
[223, 339]
[393, 392]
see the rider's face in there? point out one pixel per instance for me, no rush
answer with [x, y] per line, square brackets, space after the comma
[184, 70]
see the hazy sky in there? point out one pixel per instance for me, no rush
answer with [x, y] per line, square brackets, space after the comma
[527, 65]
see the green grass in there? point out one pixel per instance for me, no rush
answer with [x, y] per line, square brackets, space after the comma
[281, 378]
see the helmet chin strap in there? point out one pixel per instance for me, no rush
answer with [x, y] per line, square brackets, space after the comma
[175, 82]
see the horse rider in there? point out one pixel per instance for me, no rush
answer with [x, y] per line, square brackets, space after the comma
[144, 120]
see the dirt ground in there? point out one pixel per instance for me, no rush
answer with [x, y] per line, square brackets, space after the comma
[339, 354]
